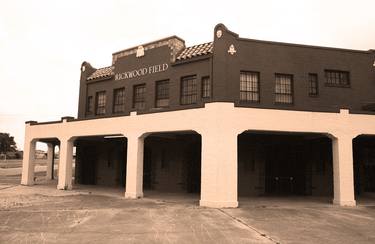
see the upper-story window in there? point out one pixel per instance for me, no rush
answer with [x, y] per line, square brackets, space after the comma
[189, 90]
[119, 100]
[249, 86]
[100, 103]
[139, 97]
[313, 85]
[90, 105]
[337, 78]
[284, 88]
[206, 87]
[162, 94]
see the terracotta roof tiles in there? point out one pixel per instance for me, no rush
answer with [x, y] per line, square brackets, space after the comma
[101, 73]
[197, 50]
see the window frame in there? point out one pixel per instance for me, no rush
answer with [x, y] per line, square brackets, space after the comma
[291, 94]
[310, 82]
[206, 88]
[143, 101]
[257, 74]
[117, 105]
[193, 97]
[90, 105]
[339, 73]
[162, 96]
[104, 103]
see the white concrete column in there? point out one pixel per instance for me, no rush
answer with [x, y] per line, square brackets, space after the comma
[50, 152]
[65, 164]
[28, 163]
[134, 167]
[219, 169]
[343, 179]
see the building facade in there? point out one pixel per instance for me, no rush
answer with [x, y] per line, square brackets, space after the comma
[232, 117]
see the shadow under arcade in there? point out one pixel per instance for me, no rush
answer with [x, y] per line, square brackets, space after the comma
[284, 164]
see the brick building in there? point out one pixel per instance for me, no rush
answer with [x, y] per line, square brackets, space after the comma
[232, 117]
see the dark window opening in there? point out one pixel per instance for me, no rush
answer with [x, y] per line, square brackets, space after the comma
[337, 78]
[119, 100]
[206, 87]
[313, 85]
[284, 88]
[189, 90]
[139, 101]
[162, 94]
[249, 87]
[100, 102]
[90, 105]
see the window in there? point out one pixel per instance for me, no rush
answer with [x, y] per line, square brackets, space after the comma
[119, 100]
[206, 87]
[100, 102]
[188, 90]
[139, 93]
[249, 86]
[89, 105]
[313, 85]
[284, 88]
[337, 78]
[162, 94]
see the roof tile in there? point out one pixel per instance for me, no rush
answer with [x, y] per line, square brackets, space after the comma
[101, 73]
[197, 50]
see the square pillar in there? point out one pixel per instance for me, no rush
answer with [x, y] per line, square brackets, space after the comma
[219, 169]
[50, 159]
[65, 165]
[134, 168]
[28, 163]
[343, 179]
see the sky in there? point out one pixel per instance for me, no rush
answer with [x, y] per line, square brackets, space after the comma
[43, 43]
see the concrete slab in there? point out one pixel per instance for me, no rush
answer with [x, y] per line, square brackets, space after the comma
[89, 214]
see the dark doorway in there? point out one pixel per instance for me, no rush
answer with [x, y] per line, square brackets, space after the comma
[286, 170]
[284, 164]
[101, 161]
[364, 165]
[172, 162]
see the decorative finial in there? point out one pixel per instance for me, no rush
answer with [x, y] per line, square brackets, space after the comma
[219, 33]
[140, 52]
[231, 49]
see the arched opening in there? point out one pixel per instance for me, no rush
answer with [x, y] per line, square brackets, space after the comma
[46, 161]
[285, 164]
[364, 168]
[101, 160]
[172, 163]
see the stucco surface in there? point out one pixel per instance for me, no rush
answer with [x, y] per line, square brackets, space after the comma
[219, 125]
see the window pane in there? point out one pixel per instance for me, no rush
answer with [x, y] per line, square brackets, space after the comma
[100, 102]
[313, 84]
[162, 94]
[189, 90]
[119, 100]
[139, 93]
[283, 88]
[90, 105]
[249, 86]
[206, 87]
[337, 78]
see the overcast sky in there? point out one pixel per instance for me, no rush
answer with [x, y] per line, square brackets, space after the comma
[43, 43]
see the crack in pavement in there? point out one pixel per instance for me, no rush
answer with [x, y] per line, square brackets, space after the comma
[8, 187]
[249, 226]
